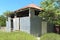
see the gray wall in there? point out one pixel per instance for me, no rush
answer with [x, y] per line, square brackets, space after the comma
[25, 24]
[8, 25]
[35, 23]
[15, 24]
[44, 27]
[50, 27]
[35, 28]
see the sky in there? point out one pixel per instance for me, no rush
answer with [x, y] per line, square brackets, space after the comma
[11, 5]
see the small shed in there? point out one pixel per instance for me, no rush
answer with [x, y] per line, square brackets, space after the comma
[27, 20]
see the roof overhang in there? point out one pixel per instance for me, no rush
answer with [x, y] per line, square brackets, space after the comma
[26, 8]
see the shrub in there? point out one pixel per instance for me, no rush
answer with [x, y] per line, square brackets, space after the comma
[50, 36]
[16, 36]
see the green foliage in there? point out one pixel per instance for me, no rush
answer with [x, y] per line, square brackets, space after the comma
[50, 36]
[51, 11]
[16, 36]
[2, 20]
[7, 13]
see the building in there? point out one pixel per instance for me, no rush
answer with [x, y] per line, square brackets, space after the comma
[27, 20]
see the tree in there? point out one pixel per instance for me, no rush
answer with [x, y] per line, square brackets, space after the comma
[51, 11]
[6, 13]
[3, 18]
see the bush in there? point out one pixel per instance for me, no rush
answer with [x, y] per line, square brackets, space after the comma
[16, 36]
[50, 36]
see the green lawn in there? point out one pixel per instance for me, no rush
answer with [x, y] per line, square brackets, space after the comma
[16, 36]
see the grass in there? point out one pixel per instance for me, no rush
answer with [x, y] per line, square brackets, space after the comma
[16, 36]
[50, 36]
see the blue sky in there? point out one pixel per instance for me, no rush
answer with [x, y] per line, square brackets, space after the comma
[11, 5]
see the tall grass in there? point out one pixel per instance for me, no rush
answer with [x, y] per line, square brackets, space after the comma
[50, 36]
[16, 36]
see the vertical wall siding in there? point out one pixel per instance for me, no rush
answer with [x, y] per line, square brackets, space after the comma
[44, 27]
[50, 27]
[15, 24]
[8, 25]
[35, 26]
[25, 24]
